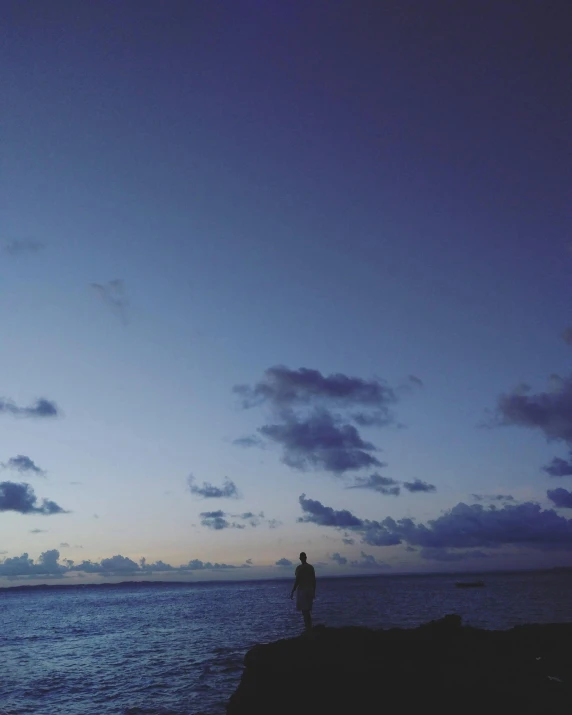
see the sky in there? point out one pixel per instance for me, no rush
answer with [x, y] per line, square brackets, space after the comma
[282, 276]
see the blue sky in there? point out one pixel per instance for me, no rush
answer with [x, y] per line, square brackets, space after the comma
[193, 194]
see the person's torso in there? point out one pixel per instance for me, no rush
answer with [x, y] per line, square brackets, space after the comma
[305, 575]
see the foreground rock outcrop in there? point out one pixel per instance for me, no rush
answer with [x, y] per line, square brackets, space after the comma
[441, 667]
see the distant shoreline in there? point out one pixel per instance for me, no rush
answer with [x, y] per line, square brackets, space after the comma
[186, 584]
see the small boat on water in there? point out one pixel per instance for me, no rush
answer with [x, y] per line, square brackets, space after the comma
[470, 584]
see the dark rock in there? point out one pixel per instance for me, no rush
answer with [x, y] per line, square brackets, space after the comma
[440, 665]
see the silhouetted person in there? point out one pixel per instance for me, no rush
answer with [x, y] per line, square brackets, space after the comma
[305, 587]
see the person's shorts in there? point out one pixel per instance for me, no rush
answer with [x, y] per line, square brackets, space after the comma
[304, 600]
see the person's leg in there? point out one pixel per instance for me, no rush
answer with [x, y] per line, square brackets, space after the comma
[307, 619]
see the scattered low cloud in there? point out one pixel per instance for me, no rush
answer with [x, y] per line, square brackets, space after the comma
[561, 498]
[38, 531]
[217, 520]
[24, 465]
[114, 295]
[559, 467]
[417, 485]
[40, 408]
[283, 387]
[368, 561]
[249, 562]
[462, 527]
[315, 417]
[339, 559]
[284, 562]
[21, 497]
[273, 523]
[20, 247]
[549, 412]
[64, 545]
[321, 441]
[492, 497]
[348, 541]
[440, 554]
[228, 490]
[249, 441]
[375, 482]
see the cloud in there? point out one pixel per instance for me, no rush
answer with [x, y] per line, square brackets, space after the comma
[47, 565]
[209, 491]
[38, 531]
[283, 387]
[348, 542]
[20, 247]
[567, 335]
[410, 548]
[439, 554]
[249, 562]
[113, 293]
[317, 513]
[462, 527]
[198, 565]
[273, 523]
[64, 545]
[559, 467]
[340, 560]
[283, 562]
[492, 497]
[561, 498]
[377, 483]
[217, 521]
[40, 408]
[550, 412]
[419, 486]
[320, 441]
[368, 561]
[21, 498]
[250, 441]
[23, 464]
[253, 519]
[315, 417]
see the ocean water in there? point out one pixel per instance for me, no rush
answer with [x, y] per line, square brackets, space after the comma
[178, 649]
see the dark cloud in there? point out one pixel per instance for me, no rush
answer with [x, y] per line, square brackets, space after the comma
[283, 387]
[315, 417]
[416, 381]
[38, 531]
[273, 523]
[348, 542]
[561, 498]
[198, 565]
[317, 513]
[283, 562]
[21, 498]
[440, 554]
[156, 566]
[549, 412]
[64, 545]
[250, 441]
[377, 483]
[40, 408]
[559, 467]
[253, 519]
[47, 565]
[24, 465]
[462, 527]
[209, 491]
[419, 486]
[368, 561]
[410, 548]
[320, 441]
[113, 293]
[567, 335]
[217, 520]
[492, 497]
[20, 247]
[249, 562]
[339, 559]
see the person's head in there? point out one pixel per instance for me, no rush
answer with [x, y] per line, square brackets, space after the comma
[303, 557]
